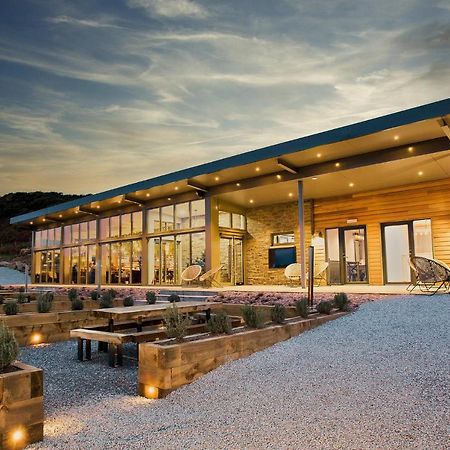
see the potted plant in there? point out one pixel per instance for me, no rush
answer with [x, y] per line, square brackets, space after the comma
[21, 397]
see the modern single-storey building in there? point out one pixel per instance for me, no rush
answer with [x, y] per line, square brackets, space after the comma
[366, 196]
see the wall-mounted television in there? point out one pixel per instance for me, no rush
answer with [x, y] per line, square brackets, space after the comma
[280, 257]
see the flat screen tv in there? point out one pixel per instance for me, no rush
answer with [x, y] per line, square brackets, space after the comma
[280, 257]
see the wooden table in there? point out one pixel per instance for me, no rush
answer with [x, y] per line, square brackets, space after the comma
[140, 312]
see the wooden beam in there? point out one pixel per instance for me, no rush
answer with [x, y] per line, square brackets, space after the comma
[286, 166]
[444, 127]
[88, 211]
[197, 186]
[129, 198]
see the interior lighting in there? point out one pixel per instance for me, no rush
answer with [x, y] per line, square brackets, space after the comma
[420, 173]
[278, 177]
[314, 178]
[238, 184]
[410, 149]
[351, 184]
[251, 200]
[257, 169]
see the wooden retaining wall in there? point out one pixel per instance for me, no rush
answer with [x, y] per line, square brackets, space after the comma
[163, 368]
[21, 407]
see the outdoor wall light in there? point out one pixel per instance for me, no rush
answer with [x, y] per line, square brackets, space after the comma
[410, 149]
[338, 164]
[278, 177]
[351, 184]
[36, 338]
[151, 392]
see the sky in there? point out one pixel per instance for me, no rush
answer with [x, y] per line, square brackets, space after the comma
[96, 94]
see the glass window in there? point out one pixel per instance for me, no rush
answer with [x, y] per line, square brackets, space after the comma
[38, 239]
[153, 221]
[423, 240]
[83, 232]
[182, 216]
[92, 264]
[198, 249]
[283, 239]
[183, 252]
[83, 264]
[58, 236]
[104, 228]
[198, 213]
[238, 221]
[125, 262]
[115, 262]
[154, 260]
[136, 263]
[92, 230]
[75, 233]
[105, 263]
[44, 242]
[115, 226]
[75, 265]
[67, 266]
[68, 234]
[224, 219]
[137, 222]
[167, 218]
[125, 220]
[37, 267]
[51, 237]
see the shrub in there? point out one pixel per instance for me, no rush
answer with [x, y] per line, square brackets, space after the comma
[301, 306]
[106, 300]
[150, 297]
[22, 297]
[112, 293]
[253, 317]
[8, 347]
[278, 313]
[44, 302]
[72, 294]
[219, 323]
[324, 307]
[341, 302]
[77, 304]
[95, 295]
[128, 301]
[11, 308]
[176, 323]
[22, 289]
[50, 296]
[173, 298]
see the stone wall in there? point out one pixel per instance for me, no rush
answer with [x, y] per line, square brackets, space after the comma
[261, 224]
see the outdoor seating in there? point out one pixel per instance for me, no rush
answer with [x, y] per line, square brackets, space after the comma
[191, 274]
[321, 274]
[209, 277]
[430, 275]
[293, 272]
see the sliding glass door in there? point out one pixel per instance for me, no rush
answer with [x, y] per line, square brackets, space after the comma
[232, 260]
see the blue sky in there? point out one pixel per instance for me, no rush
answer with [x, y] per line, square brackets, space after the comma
[100, 93]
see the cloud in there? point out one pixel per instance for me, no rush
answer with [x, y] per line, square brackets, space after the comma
[80, 22]
[171, 8]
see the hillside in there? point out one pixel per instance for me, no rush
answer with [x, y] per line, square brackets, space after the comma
[14, 238]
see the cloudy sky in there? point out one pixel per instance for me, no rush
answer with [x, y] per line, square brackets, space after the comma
[100, 93]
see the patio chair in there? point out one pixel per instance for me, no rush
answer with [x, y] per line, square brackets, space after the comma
[293, 272]
[191, 273]
[430, 275]
[209, 277]
[321, 274]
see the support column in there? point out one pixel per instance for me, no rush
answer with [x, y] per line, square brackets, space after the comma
[301, 231]
[144, 265]
[212, 237]
[98, 255]
[33, 267]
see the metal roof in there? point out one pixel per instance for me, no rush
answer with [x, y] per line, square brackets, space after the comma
[419, 113]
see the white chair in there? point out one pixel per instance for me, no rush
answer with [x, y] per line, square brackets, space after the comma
[209, 277]
[191, 273]
[293, 272]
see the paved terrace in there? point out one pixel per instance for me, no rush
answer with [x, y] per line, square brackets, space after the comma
[376, 379]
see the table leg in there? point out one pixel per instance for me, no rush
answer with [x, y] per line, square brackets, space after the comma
[80, 349]
[88, 350]
[111, 325]
[119, 355]
[112, 355]
[208, 314]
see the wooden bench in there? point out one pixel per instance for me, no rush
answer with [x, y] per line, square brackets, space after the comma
[114, 341]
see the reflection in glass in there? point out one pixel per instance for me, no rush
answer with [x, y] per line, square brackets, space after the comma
[182, 221]
[198, 249]
[51, 237]
[83, 264]
[125, 262]
[153, 223]
[75, 233]
[224, 219]
[115, 226]
[66, 266]
[125, 224]
[68, 234]
[136, 263]
[75, 265]
[183, 252]
[105, 265]
[167, 218]
[83, 231]
[104, 228]
[137, 222]
[92, 267]
[198, 213]
[115, 262]
[92, 229]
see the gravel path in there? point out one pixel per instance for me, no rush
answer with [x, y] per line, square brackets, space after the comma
[376, 379]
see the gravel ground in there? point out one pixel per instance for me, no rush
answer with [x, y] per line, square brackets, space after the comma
[376, 379]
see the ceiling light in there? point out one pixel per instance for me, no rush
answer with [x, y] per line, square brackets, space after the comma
[319, 155]
[147, 194]
[410, 149]
[176, 188]
[98, 206]
[251, 200]
[290, 194]
[216, 178]
[257, 169]
[420, 173]
[169, 198]
[238, 184]
[43, 220]
[314, 178]
[31, 223]
[351, 184]
[60, 216]
[77, 211]
[338, 164]
[396, 137]
[278, 177]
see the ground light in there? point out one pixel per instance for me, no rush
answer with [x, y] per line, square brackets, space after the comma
[18, 438]
[151, 392]
[36, 338]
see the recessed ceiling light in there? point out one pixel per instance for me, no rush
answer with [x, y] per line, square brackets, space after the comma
[98, 206]
[238, 184]
[147, 194]
[257, 169]
[216, 178]
[176, 188]
[396, 137]
[290, 194]
[319, 155]
[351, 184]
[410, 149]
[251, 200]
[278, 177]
[420, 173]
[314, 178]
[60, 216]
[169, 198]
[31, 223]
[77, 211]
[43, 220]
[338, 164]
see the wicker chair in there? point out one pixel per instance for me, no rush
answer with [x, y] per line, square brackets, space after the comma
[190, 274]
[430, 275]
[321, 274]
[209, 277]
[293, 272]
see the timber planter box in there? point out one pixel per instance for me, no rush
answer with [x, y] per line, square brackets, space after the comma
[164, 367]
[21, 406]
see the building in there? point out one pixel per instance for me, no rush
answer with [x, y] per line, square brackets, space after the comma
[366, 196]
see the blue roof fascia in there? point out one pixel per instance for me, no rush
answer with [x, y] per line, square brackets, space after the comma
[417, 114]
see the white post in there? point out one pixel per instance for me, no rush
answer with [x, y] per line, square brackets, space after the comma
[301, 231]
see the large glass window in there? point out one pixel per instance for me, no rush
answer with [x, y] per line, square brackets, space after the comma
[125, 262]
[106, 259]
[92, 264]
[68, 234]
[38, 239]
[198, 249]
[238, 221]
[115, 262]
[198, 213]
[183, 253]
[75, 233]
[51, 237]
[423, 240]
[58, 236]
[67, 265]
[137, 222]
[75, 265]
[44, 241]
[153, 221]
[182, 221]
[136, 262]
[83, 265]
[125, 220]
[167, 218]
[224, 219]
[115, 226]
[104, 228]
[83, 231]
[92, 229]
